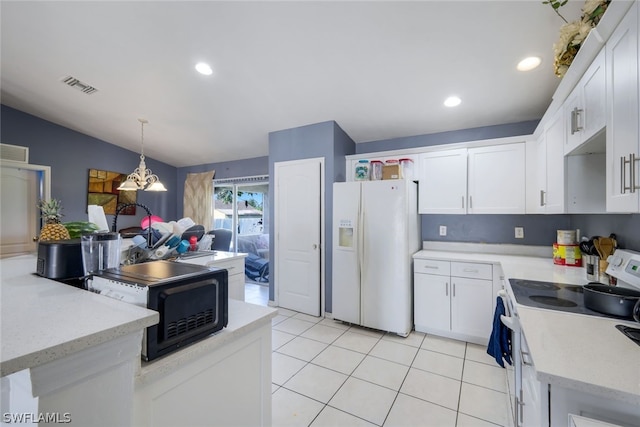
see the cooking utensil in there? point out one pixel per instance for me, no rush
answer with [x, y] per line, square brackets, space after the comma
[606, 247]
[585, 247]
[596, 244]
[613, 300]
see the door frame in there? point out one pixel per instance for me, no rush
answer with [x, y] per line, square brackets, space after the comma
[45, 180]
[276, 243]
[46, 174]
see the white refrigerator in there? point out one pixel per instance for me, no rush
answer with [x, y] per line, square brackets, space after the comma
[376, 230]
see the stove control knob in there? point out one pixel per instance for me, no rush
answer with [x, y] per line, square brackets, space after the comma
[615, 261]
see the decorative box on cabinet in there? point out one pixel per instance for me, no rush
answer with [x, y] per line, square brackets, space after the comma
[623, 135]
[454, 299]
[352, 161]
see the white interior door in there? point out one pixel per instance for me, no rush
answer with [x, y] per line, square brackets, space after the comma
[22, 185]
[298, 229]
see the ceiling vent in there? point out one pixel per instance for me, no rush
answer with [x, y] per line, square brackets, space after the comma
[15, 153]
[77, 84]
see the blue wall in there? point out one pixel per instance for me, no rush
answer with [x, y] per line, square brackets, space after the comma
[326, 140]
[463, 135]
[71, 154]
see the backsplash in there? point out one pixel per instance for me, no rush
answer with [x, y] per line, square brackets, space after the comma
[539, 230]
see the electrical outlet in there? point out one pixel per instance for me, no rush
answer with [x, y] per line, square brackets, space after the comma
[519, 232]
[443, 230]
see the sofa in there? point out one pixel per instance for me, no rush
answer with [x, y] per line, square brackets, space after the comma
[256, 264]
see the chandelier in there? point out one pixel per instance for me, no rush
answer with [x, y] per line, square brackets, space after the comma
[142, 178]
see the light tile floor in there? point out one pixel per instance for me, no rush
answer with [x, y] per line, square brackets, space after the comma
[326, 373]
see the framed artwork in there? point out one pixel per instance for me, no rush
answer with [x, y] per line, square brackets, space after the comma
[103, 191]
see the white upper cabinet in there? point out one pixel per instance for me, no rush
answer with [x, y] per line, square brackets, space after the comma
[479, 180]
[623, 142]
[496, 181]
[585, 108]
[550, 167]
[443, 182]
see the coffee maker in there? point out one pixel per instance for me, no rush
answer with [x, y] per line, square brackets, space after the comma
[61, 260]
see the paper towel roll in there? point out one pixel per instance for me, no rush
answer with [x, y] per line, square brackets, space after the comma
[96, 216]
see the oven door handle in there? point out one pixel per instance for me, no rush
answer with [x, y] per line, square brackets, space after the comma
[511, 322]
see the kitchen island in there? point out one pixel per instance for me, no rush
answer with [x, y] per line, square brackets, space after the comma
[577, 358]
[74, 356]
[63, 347]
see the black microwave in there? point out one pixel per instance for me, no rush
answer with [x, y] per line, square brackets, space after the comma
[192, 300]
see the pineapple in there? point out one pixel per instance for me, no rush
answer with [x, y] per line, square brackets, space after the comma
[52, 229]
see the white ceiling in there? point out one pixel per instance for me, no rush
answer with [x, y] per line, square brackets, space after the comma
[380, 69]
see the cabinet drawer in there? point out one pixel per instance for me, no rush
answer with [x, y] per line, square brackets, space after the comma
[431, 266]
[233, 266]
[472, 270]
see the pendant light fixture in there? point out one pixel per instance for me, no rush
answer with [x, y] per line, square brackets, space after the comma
[142, 178]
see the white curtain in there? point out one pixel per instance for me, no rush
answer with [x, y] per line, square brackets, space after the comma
[198, 198]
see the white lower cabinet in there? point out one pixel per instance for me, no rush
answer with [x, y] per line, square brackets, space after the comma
[232, 262]
[235, 270]
[454, 299]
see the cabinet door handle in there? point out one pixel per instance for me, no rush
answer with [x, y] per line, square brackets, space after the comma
[470, 202]
[446, 288]
[574, 120]
[470, 270]
[623, 176]
[542, 197]
[454, 290]
[462, 202]
[632, 164]
[433, 267]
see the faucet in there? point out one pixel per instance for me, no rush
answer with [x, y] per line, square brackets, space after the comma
[126, 205]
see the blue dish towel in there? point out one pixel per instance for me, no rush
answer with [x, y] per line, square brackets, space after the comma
[500, 341]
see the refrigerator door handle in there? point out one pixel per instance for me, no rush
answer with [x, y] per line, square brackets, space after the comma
[360, 234]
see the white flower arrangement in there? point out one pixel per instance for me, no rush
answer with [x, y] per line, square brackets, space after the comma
[573, 34]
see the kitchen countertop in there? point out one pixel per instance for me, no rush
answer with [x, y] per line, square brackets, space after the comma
[212, 256]
[569, 350]
[243, 319]
[44, 320]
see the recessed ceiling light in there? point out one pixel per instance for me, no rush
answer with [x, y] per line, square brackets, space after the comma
[529, 63]
[203, 68]
[452, 101]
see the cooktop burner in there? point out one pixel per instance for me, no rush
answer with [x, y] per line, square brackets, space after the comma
[531, 284]
[557, 302]
[632, 333]
[551, 296]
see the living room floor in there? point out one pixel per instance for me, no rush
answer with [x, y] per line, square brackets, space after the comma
[326, 373]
